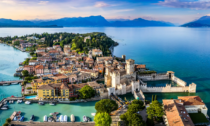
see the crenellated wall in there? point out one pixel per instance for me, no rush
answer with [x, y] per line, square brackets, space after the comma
[191, 88]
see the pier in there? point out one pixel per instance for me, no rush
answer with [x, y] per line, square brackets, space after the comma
[10, 98]
[10, 82]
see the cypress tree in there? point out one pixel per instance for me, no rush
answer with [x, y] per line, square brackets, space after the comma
[155, 97]
[152, 97]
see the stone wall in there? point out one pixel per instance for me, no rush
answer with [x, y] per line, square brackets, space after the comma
[153, 77]
[167, 88]
[178, 81]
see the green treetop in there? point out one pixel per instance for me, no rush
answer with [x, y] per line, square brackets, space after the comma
[87, 92]
[102, 119]
[106, 105]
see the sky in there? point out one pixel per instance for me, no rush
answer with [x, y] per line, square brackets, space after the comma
[174, 11]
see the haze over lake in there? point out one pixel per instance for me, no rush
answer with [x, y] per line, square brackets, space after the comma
[182, 50]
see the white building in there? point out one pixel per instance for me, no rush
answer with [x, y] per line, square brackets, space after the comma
[88, 37]
[194, 104]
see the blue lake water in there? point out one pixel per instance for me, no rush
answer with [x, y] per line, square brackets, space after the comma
[182, 50]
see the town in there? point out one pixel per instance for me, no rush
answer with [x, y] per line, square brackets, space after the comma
[65, 68]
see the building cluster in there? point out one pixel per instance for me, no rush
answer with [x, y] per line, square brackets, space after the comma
[177, 111]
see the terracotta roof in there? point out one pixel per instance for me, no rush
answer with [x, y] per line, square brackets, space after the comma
[46, 87]
[191, 100]
[39, 67]
[176, 113]
[64, 86]
[141, 66]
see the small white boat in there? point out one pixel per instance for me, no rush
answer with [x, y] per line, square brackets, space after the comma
[45, 118]
[51, 103]
[5, 102]
[4, 108]
[27, 102]
[85, 118]
[19, 101]
[14, 83]
[65, 118]
[61, 118]
[93, 114]
[72, 118]
[5, 84]
[58, 119]
[15, 118]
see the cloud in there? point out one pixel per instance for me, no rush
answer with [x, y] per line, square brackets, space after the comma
[122, 10]
[43, 2]
[8, 1]
[198, 5]
[101, 4]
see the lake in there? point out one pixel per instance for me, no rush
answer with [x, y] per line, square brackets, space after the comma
[182, 50]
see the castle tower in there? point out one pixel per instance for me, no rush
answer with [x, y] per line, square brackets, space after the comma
[124, 57]
[115, 78]
[130, 66]
[192, 88]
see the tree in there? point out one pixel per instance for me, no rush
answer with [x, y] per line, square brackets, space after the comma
[8, 120]
[106, 105]
[102, 119]
[29, 88]
[6, 124]
[155, 110]
[34, 58]
[155, 97]
[87, 92]
[25, 73]
[152, 97]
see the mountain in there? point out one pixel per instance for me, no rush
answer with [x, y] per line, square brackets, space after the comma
[201, 22]
[92, 21]
[139, 22]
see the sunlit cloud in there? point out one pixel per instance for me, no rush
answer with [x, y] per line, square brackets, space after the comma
[43, 2]
[101, 4]
[7, 1]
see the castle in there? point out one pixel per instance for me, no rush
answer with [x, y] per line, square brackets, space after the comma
[121, 79]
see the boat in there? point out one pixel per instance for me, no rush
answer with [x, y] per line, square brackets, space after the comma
[45, 118]
[88, 119]
[32, 118]
[93, 114]
[27, 102]
[14, 83]
[50, 119]
[4, 108]
[19, 101]
[5, 84]
[72, 118]
[15, 118]
[65, 118]
[22, 118]
[85, 118]
[10, 102]
[51, 103]
[41, 103]
[58, 119]
[5, 102]
[61, 118]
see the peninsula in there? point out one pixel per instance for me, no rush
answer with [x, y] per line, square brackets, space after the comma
[67, 68]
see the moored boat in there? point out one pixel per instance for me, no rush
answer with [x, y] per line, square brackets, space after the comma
[4, 108]
[5, 84]
[14, 83]
[22, 118]
[61, 118]
[51, 103]
[5, 102]
[27, 102]
[41, 103]
[72, 118]
[45, 118]
[65, 118]
[93, 114]
[32, 118]
[85, 118]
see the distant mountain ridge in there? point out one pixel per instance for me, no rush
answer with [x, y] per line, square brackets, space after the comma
[91, 21]
[201, 22]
